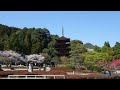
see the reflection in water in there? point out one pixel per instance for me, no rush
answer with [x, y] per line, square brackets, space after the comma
[113, 75]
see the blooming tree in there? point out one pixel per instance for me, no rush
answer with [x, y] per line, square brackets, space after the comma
[15, 57]
[35, 58]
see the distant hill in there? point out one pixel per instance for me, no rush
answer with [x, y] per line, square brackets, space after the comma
[89, 45]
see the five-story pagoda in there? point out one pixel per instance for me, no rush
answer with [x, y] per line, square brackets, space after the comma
[62, 45]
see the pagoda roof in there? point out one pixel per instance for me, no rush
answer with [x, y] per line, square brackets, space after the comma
[62, 38]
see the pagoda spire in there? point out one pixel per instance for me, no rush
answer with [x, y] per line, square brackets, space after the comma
[62, 31]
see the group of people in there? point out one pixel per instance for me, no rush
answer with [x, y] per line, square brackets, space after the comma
[51, 64]
[43, 65]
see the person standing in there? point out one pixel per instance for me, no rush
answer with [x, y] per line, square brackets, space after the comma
[109, 72]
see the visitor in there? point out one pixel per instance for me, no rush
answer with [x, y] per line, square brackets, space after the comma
[110, 72]
[0, 67]
[52, 64]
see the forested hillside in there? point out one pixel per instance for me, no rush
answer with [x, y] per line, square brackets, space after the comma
[27, 40]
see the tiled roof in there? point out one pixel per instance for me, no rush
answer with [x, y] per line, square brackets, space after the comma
[63, 38]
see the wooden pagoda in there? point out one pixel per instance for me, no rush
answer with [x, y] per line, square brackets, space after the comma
[62, 45]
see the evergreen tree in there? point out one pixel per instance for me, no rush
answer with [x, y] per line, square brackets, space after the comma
[116, 50]
[6, 43]
[97, 48]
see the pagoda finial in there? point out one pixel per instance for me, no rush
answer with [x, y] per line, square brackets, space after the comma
[62, 31]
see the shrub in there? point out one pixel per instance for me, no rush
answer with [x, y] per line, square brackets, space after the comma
[64, 60]
[70, 66]
[95, 68]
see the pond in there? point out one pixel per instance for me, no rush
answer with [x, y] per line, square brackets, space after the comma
[112, 75]
[78, 73]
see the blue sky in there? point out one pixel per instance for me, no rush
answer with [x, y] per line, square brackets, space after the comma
[95, 27]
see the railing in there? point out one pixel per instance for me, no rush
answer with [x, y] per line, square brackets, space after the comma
[34, 76]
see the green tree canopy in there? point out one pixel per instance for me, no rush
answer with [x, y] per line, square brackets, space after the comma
[93, 57]
[116, 50]
[97, 48]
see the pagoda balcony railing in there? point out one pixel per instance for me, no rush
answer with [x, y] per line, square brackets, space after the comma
[62, 44]
[62, 41]
[62, 48]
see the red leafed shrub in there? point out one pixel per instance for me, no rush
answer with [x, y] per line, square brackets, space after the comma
[115, 63]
